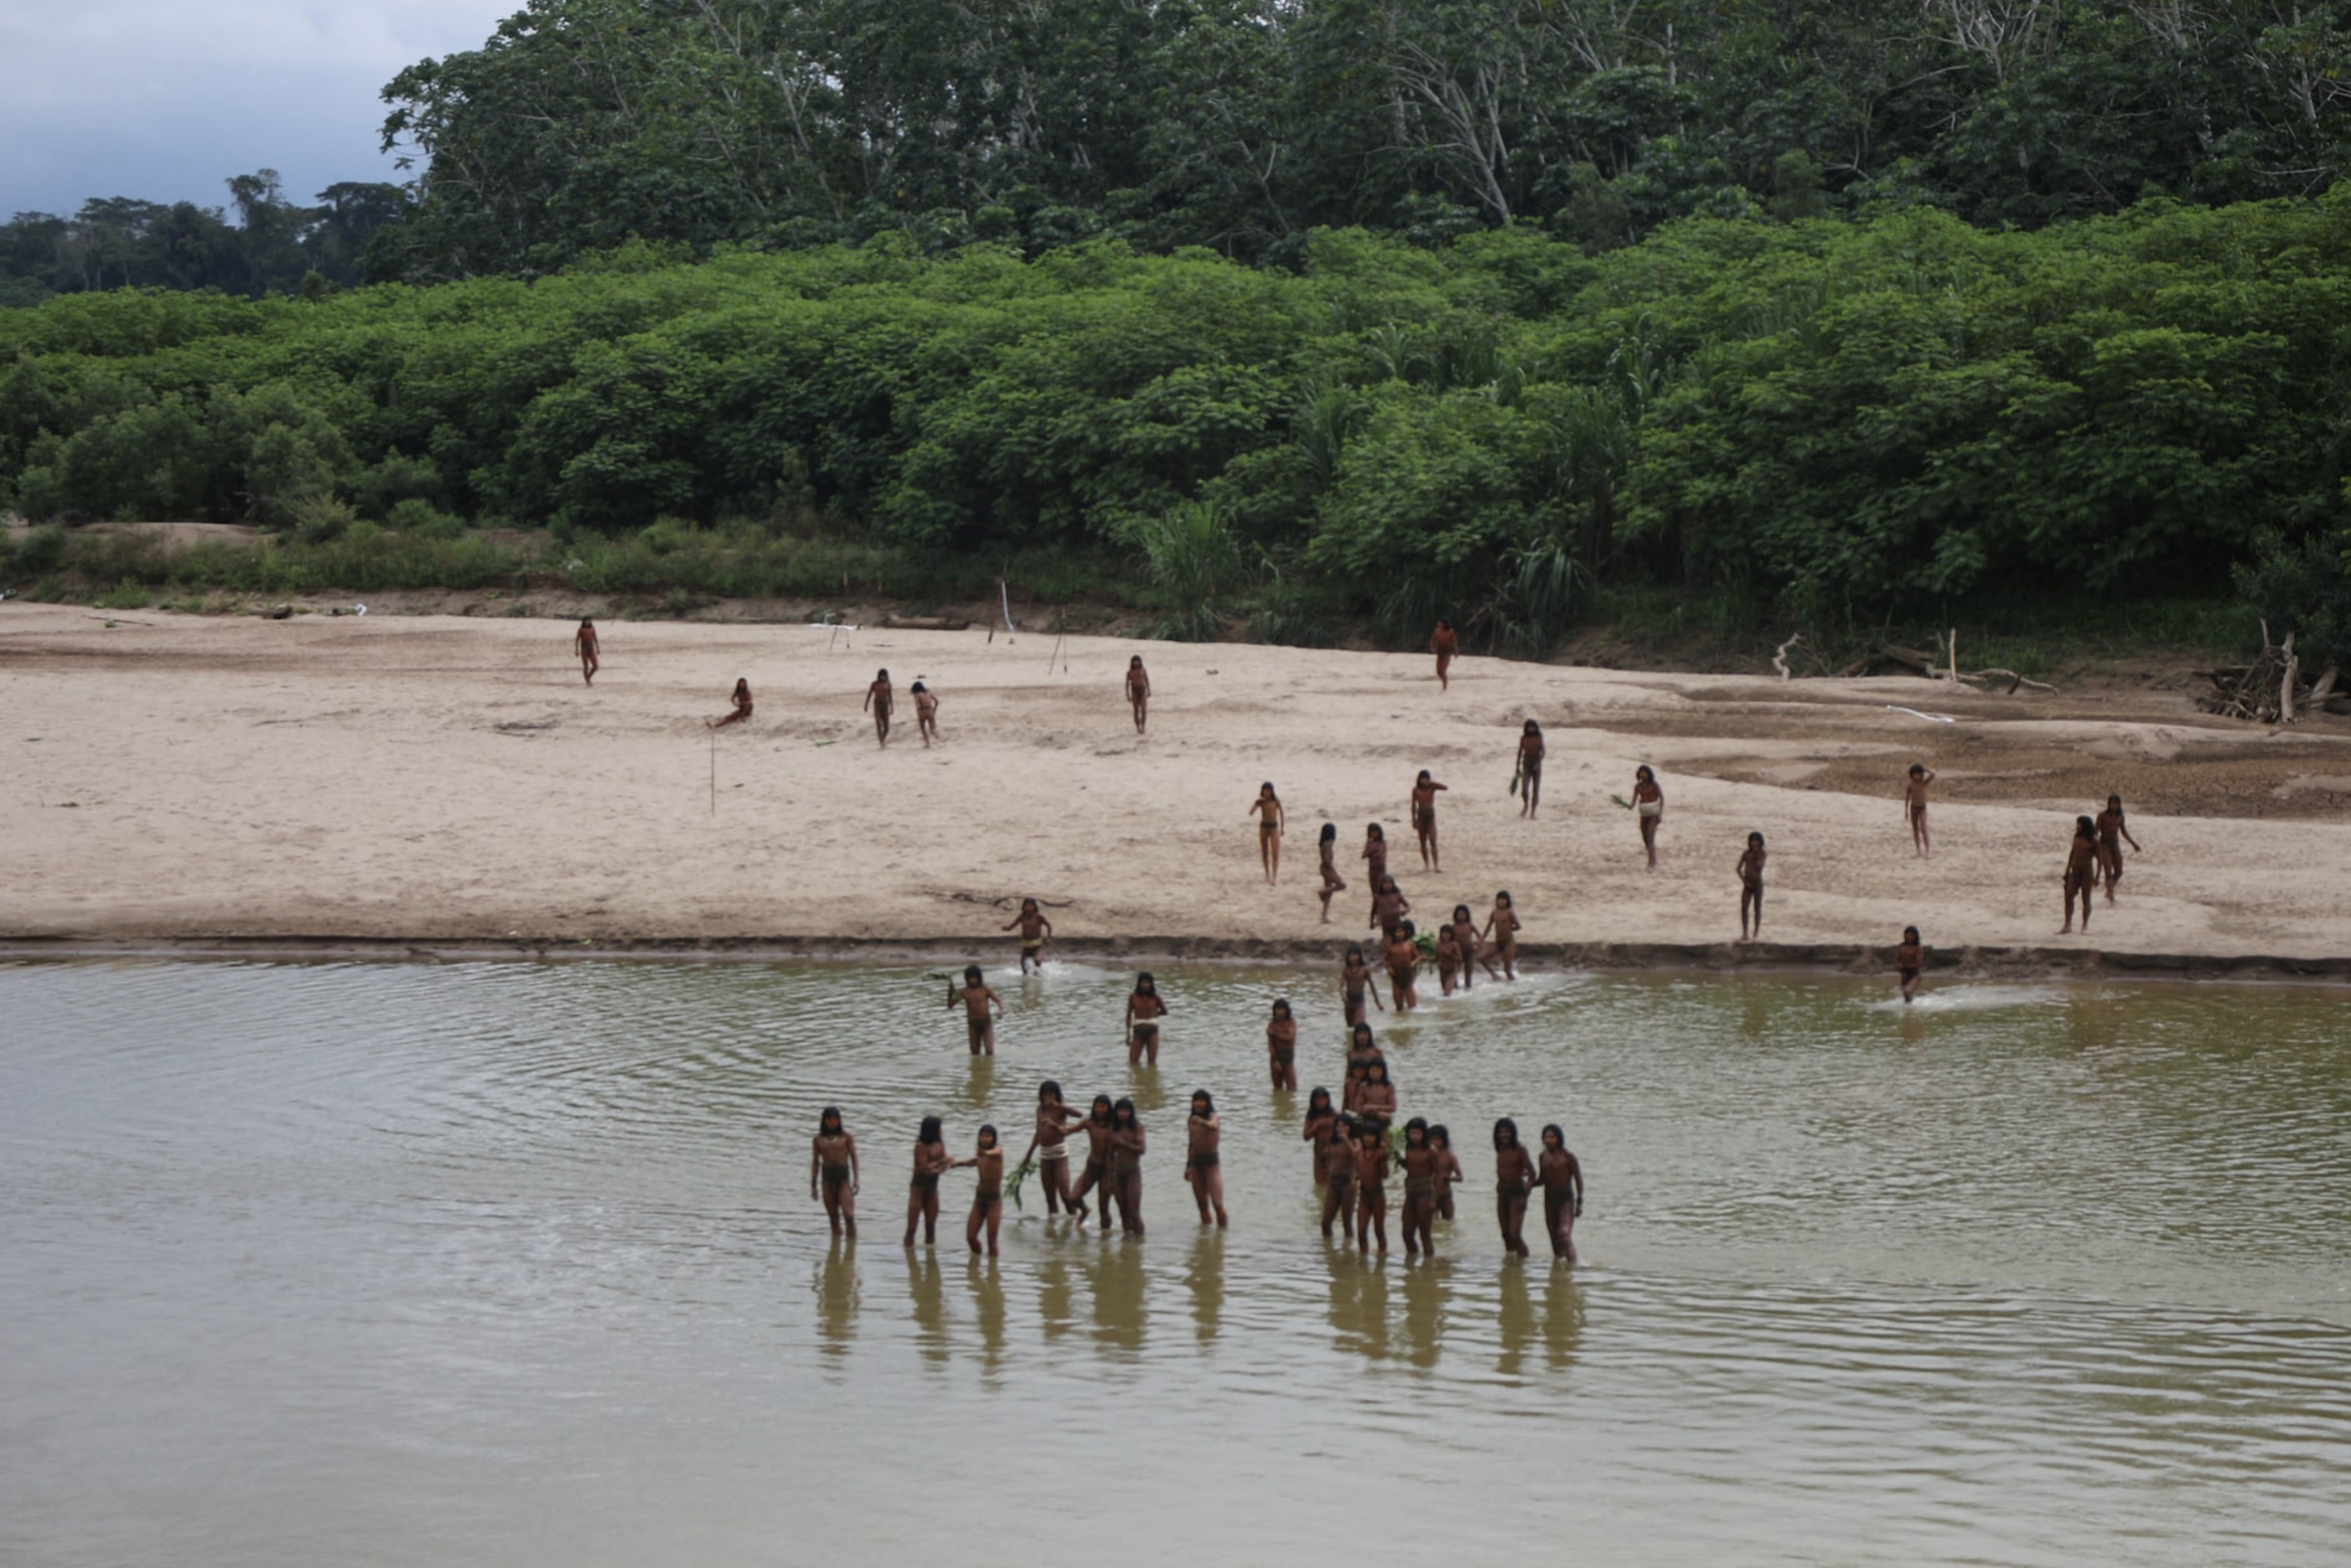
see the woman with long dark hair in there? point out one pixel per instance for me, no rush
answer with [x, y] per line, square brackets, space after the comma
[1126, 1147]
[1097, 1128]
[922, 1195]
[832, 1172]
[1514, 1175]
[1563, 1190]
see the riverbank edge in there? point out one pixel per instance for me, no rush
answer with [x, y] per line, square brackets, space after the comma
[1714, 958]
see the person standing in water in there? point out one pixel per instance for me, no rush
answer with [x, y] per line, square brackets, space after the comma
[1448, 959]
[1750, 887]
[1126, 1149]
[1266, 810]
[1449, 1170]
[1401, 958]
[1281, 1048]
[1909, 962]
[1563, 1190]
[1502, 930]
[1530, 759]
[1095, 1178]
[2112, 830]
[583, 642]
[1320, 1114]
[877, 702]
[1371, 1188]
[1355, 984]
[2081, 873]
[926, 713]
[1914, 806]
[1138, 691]
[977, 996]
[1424, 818]
[1375, 1101]
[1203, 1133]
[1514, 1177]
[832, 1172]
[741, 698]
[1419, 1189]
[1331, 881]
[923, 1194]
[1650, 806]
[1035, 932]
[987, 1199]
[1446, 644]
[1335, 1159]
[1050, 1146]
[1144, 1011]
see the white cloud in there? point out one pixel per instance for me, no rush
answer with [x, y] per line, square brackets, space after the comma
[165, 99]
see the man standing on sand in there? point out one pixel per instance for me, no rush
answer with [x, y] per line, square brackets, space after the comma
[1138, 690]
[877, 702]
[583, 641]
[1914, 806]
[2112, 832]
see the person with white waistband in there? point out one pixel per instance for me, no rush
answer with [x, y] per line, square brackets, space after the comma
[1650, 806]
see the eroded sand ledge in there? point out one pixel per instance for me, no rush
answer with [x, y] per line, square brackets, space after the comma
[444, 787]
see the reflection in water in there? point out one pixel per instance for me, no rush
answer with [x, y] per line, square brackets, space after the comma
[1563, 1317]
[930, 1303]
[1204, 1275]
[987, 1307]
[1425, 1291]
[836, 1298]
[1114, 1273]
[1514, 1319]
[1056, 1305]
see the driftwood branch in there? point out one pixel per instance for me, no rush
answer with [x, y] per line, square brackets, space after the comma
[1779, 658]
[2271, 689]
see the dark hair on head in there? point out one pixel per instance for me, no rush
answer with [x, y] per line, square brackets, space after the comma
[1330, 832]
[1504, 897]
[1551, 1130]
[1388, 884]
[1502, 1126]
[987, 1134]
[1646, 771]
[1374, 831]
[971, 972]
[1461, 912]
[1418, 1124]
[1027, 902]
[1378, 1064]
[1755, 839]
[1406, 928]
[1917, 767]
[918, 687]
[2113, 799]
[1441, 621]
[1047, 1087]
[1361, 1033]
[1125, 1108]
[2084, 825]
[1437, 1134]
[1203, 1097]
[1910, 934]
[830, 1114]
[1102, 1103]
[880, 675]
[1532, 728]
[587, 619]
[1318, 1095]
[1424, 773]
[1134, 658]
[929, 1131]
[1355, 951]
[1143, 982]
[1281, 1004]
[1266, 788]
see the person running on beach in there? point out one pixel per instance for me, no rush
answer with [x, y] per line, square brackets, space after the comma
[1335, 1158]
[1448, 1169]
[1201, 1135]
[1266, 810]
[1750, 887]
[1401, 957]
[1331, 881]
[2113, 831]
[1049, 1144]
[1514, 1176]
[1419, 1189]
[987, 1201]
[1355, 984]
[1502, 930]
[1909, 962]
[741, 698]
[1563, 1190]
[1389, 906]
[1095, 1178]
[1448, 959]
[1371, 1188]
[1650, 806]
[1424, 818]
[2081, 873]
[1473, 947]
[923, 1194]
[832, 1172]
[583, 642]
[877, 701]
[1126, 1149]
[1914, 806]
[1143, 1011]
[1138, 691]
[1530, 759]
[926, 713]
[1035, 932]
[1374, 856]
[977, 996]
[1281, 1048]
[1446, 644]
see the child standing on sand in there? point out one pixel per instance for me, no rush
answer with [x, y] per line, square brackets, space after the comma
[1650, 806]
[1331, 881]
[2112, 833]
[1502, 930]
[1424, 818]
[1909, 961]
[1913, 804]
[1750, 887]
[1376, 855]
[1143, 1011]
[877, 700]
[1266, 810]
[977, 996]
[1389, 906]
[2081, 873]
[1530, 759]
[1035, 932]
[1138, 691]
[926, 713]
[583, 642]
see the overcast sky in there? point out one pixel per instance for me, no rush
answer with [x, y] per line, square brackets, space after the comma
[163, 99]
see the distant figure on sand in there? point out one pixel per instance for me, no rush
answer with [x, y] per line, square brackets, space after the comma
[742, 701]
[1389, 906]
[2081, 873]
[1374, 856]
[1650, 806]
[1514, 1177]
[923, 1194]
[1144, 1011]
[2112, 832]
[1266, 810]
[977, 996]
[1281, 1048]
[1202, 1163]
[1446, 644]
[1563, 1190]
[1909, 962]
[1527, 783]
[583, 642]
[1502, 930]
[1331, 881]
[1036, 931]
[926, 713]
[832, 1172]
[1750, 887]
[1138, 691]
[1424, 818]
[1913, 804]
[988, 1200]
[877, 701]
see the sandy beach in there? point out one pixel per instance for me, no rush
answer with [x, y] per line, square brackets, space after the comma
[446, 783]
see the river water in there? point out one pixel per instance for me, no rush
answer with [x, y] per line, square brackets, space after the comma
[515, 1264]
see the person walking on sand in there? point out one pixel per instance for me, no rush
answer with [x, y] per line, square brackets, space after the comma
[1909, 962]
[1144, 1011]
[1446, 644]
[926, 713]
[2081, 873]
[742, 701]
[1202, 1136]
[877, 702]
[1355, 983]
[1389, 906]
[1376, 855]
[1126, 1150]
[2113, 831]
[1563, 1189]
[1424, 818]
[1649, 805]
[1514, 1177]
[987, 1199]
[1036, 931]
[1528, 785]
[1138, 691]
[1266, 810]
[1281, 1048]
[832, 1172]
[583, 642]
[1750, 887]
[1049, 1144]
[923, 1194]
[977, 996]
[1331, 881]
[1502, 930]
[1914, 806]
